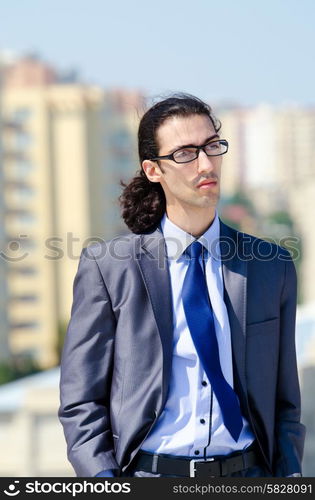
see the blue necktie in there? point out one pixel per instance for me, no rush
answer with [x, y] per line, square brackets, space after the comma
[200, 321]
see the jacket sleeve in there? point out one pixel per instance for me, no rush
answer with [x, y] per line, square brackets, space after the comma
[86, 368]
[290, 433]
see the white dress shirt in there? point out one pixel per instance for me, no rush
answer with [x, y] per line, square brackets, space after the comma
[191, 423]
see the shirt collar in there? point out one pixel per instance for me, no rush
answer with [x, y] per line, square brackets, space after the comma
[177, 240]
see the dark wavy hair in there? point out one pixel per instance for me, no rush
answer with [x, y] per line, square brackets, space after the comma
[143, 202]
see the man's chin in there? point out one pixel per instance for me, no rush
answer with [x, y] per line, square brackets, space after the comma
[208, 201]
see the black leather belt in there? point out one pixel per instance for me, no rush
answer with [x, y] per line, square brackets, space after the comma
[218, 466]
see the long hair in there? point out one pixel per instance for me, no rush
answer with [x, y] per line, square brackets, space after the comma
[143, 202]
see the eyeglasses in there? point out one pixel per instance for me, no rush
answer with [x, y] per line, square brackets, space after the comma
[191, 153]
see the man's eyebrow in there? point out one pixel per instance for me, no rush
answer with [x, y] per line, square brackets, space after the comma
[181, 146]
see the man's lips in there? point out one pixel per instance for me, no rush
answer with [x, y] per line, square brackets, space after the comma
[207, 183]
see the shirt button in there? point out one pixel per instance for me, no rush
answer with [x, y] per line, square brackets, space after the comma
[204, 383]
[202, 421]
[196, 452]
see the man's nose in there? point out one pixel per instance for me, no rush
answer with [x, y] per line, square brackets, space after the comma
[204, 162]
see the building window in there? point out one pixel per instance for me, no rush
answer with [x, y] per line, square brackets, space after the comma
[27, 298]
[25, 325]
[22, 270]
[21, 115]
[21, 168]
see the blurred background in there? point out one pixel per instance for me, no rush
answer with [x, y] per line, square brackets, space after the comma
[75, 77]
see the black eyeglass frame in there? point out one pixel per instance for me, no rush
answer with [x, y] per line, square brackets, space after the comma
[198, 148]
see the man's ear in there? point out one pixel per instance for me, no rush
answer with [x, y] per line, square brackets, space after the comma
[152, 170]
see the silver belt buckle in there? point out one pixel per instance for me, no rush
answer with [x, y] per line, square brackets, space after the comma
[192, 468]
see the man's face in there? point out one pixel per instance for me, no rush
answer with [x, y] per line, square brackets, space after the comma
[194, 185]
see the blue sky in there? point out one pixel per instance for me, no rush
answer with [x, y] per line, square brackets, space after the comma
[237, 51]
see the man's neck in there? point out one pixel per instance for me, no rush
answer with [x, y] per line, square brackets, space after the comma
[193, 223]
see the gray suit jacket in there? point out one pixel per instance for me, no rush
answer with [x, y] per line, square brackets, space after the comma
[117, 355]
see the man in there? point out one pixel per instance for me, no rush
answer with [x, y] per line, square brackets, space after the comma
[180, 358]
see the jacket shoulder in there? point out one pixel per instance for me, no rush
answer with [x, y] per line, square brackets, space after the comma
[118, 246]
[253, 245]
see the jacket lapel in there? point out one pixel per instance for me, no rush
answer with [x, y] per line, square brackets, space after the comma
[234, 267]
[154, 268]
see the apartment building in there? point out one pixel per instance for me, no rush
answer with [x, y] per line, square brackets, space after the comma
[272, 158]
[64, 152]
[4, 351]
